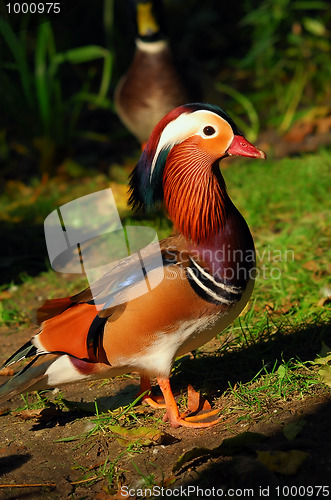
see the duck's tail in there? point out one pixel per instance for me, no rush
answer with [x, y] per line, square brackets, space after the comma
[47, 371]
[32, 377]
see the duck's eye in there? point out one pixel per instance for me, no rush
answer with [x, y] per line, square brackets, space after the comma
[209, 130]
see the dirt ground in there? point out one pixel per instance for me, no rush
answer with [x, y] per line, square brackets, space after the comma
[30, 455]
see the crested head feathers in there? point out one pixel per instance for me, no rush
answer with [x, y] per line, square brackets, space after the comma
[146, 183]
[179, 166]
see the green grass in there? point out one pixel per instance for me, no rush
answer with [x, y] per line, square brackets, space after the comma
[291, 379]
[287, 206]
[38, 401]
[9, 313]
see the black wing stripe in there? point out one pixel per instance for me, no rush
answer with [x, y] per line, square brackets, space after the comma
[95, 332]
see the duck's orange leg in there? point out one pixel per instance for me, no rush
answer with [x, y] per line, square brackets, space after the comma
[173, 415]
[153, 401]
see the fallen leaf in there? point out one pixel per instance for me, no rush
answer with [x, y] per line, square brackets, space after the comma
[168, 481]
[5, 294]
[283, 462]
[324, 301]
[324, 356]
[311, 265]
[324, 359]
[41, 413]
[193, 399]
[325, 375]
[323, 125]
[145, 436]
[325, 350]
[29, 414]
[196, 452]
[298, 132]
[196, 402]
[292, 429]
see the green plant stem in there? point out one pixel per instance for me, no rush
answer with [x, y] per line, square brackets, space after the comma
[294, 95]
[253, 130]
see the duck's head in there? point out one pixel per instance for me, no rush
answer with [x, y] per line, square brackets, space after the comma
[180, 168]
[149, 15]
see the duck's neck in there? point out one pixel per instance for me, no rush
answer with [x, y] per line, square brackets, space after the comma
[195, 194]
[217, 235]
[229, 256]
[152, 46]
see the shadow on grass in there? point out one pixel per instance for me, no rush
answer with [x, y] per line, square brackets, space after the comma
[214, 372]
[244, 475]
[23, 251]
[243, 471]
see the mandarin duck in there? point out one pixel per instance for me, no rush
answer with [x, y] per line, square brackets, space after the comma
[151, 87]
[208, 272]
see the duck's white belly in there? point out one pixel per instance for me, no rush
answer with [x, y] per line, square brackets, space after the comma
[159, 356]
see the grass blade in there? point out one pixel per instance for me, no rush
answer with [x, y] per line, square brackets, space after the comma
[18, 51]
[41, 77]
[253, 130]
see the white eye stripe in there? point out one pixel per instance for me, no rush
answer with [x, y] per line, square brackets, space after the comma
[183, 127]
[173, 134]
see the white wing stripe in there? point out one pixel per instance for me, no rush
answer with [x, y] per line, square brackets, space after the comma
[212, 294]
[223, 286]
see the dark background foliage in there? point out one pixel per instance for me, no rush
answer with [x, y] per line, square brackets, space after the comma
[267, 62]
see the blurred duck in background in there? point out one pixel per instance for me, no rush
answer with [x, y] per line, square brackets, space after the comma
[151, 87]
